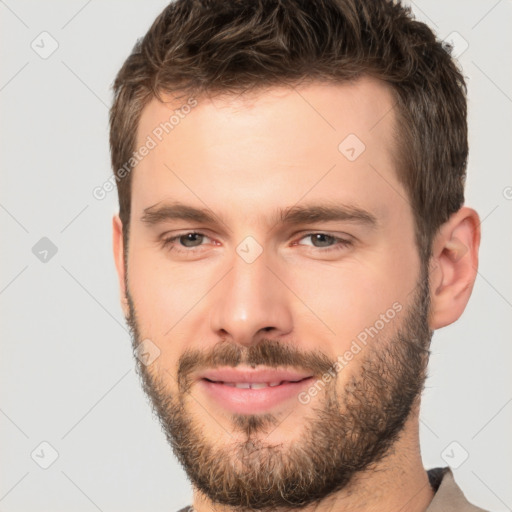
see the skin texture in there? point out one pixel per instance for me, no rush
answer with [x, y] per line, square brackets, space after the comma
[243, 158]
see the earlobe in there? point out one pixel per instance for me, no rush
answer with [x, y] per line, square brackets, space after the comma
[118, 248]
[454, 265]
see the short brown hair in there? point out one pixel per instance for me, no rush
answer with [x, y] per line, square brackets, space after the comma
[232, 46]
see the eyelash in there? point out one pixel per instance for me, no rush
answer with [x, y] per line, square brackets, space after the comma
[168, 243]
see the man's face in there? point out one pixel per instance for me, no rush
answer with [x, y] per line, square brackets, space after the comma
[332, 309]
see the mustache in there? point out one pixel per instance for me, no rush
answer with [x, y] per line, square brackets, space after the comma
[267, 352]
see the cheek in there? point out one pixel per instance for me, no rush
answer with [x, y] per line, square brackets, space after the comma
[344, 300]
[164, 294]
[167, 304]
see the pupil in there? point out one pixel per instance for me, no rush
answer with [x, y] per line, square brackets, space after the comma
[189, 237]
[327, 238]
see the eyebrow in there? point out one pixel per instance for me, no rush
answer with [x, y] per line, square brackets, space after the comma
[295, 215]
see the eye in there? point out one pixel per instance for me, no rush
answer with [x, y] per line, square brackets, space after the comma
[191, 242]
[184, 242]
[326, 241]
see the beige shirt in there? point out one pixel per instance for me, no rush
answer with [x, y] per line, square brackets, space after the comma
[448, 496]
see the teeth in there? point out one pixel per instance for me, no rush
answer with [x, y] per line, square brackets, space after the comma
[258, 385]
[252, 385]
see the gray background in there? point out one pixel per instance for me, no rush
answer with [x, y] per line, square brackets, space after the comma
[67, 374]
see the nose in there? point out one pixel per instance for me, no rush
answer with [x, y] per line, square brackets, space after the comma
[250, 301]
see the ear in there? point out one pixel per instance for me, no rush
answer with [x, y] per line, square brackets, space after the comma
[453, 266]
[118, 246]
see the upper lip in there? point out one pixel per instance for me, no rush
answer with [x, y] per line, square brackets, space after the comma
[252, 375]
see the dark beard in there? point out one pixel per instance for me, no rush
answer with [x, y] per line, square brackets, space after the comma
[349, 433]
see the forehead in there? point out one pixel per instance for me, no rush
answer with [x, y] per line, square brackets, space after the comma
[268, 147]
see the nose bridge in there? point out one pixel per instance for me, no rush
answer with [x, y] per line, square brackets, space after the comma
[250, 298]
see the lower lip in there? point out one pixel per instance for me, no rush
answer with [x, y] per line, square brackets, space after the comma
[252, 401]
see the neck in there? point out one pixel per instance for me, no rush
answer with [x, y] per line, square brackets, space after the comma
[397, 483]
